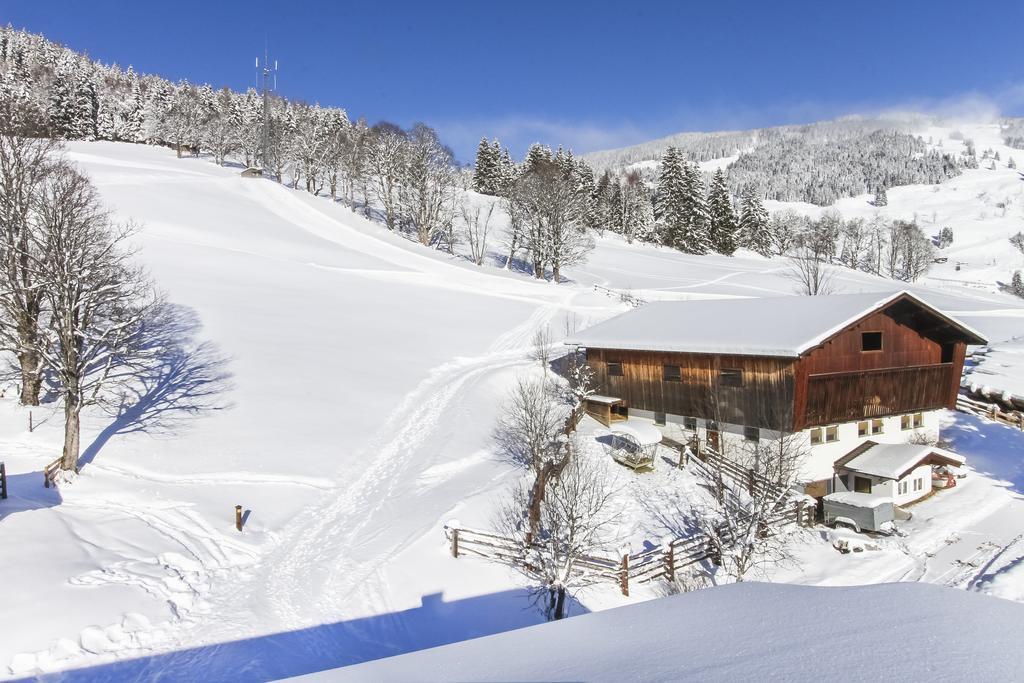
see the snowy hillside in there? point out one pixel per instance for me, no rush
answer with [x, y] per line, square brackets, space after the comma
[341, 383]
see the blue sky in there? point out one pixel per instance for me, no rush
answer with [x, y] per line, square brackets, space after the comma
[589, 75]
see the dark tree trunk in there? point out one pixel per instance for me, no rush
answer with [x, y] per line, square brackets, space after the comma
[559, 599]
[72, 433]
[31, 379]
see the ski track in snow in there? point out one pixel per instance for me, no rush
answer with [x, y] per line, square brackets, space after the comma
[321, 553]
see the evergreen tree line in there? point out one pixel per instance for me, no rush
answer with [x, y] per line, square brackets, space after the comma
[680, 213]
[408, 176]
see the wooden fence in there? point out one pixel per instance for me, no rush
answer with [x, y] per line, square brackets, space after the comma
[50, 473]
[622, 295]
[992, 411]
[642, 567]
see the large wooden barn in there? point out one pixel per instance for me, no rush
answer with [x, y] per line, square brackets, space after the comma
[836, 369]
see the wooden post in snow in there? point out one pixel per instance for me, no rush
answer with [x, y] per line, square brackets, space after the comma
[238, 517]
[453, 527]
[30, 427]
[3, 481]
[670, 558]
[624, 572]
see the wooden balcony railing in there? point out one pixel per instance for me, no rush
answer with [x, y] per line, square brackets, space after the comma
[848, 396]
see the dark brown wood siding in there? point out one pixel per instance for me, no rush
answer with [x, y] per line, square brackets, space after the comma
[838, 382]
[764, 400]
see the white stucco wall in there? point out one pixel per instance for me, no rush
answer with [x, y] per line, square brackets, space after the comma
[820, 459]
[924, 472]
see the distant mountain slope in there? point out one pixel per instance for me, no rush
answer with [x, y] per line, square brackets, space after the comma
[816, 163]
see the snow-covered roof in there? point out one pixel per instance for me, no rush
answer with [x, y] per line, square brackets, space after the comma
[771, 326]
[739, 632]
[892, 461]
[643, 431]
[607, 400]
[860, 500]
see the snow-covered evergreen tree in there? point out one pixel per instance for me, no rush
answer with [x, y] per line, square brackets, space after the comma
[1017, 284]
[486, 170]
[721, 217]
[881, 199]
[669, 203]
[695, 237]
[754, 226]
[945, 237]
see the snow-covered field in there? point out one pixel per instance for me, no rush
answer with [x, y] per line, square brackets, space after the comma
[342, 385]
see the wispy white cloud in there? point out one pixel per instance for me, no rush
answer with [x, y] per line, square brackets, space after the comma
[519, 132]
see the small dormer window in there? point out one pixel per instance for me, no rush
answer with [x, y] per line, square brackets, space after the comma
[870, 341]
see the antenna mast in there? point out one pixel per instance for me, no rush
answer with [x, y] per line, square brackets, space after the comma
[268, 75]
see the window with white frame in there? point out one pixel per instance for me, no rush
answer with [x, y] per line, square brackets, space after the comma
[903, 487]
[831, 433]
[877, 426]
[863, 428]
[918, 420]
[919, 484]
[817, 435]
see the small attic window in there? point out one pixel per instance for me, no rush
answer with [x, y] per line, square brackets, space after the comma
[870, 341]
[730, 377]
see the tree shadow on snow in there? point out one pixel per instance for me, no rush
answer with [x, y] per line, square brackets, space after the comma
[25, 491]
[177, 378]
[293, 653]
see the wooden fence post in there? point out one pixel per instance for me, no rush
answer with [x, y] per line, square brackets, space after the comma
[670, 558]
[714, 555]
[3, 481]
[800, 513]
[238, 517]
[30, 425]
[453, 526]
[624, 572]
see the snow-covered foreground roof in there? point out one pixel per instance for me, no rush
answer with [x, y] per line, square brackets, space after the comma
[771, 326]
[893, 460]
[745, 631]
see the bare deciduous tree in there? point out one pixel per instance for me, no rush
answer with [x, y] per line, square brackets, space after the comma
[476, 221]
[554, 204]
[385, 150]
[542, 342]
[741, 528]
[575, 515]
[426, 191]
[96, 298]
[811, 276]
[25, 162]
